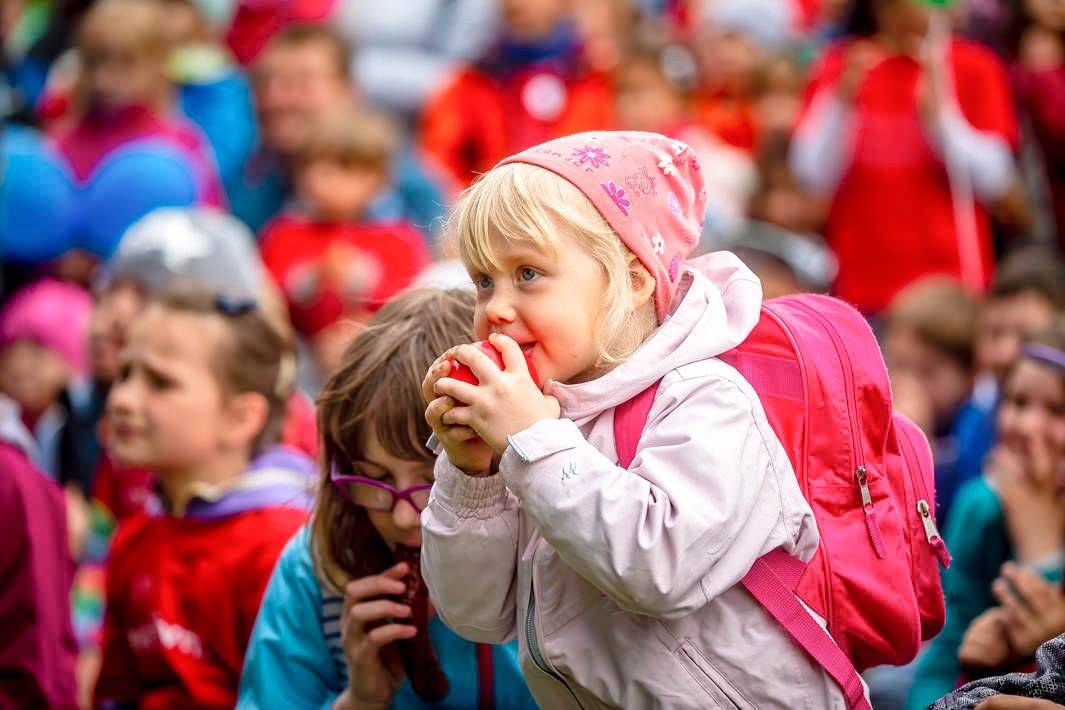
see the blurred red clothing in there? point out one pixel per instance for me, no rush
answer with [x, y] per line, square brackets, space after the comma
[479, 119]
[328, 269]
[256, 21]
[891, 220]
[733, 120]
[182, 597]
[1041, 97]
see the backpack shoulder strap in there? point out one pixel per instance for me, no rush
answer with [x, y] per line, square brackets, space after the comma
[629, 420]
[771, 579]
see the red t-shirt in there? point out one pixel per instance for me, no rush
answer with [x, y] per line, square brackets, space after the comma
[891, 220]
[294, 251]
[182, 597]
[478, 120]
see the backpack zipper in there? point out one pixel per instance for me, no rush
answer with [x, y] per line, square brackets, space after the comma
[872, 525]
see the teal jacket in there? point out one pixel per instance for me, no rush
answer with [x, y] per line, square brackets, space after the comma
[295, 661]
[979, 542]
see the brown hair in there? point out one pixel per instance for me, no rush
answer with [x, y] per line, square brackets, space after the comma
[139, 24]
[378, 386]
[941, 313]
[309, 33]
[1031, 269]
[352, 138]
[256, 357]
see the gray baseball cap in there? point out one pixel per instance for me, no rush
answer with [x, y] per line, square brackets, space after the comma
[198, 245]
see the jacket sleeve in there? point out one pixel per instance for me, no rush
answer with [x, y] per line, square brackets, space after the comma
[469, 554]
[709, 491]
[288, 663]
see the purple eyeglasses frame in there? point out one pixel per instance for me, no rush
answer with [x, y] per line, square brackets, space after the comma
[406, 494]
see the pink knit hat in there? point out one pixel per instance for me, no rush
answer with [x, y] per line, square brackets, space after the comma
[649, 188]
[55, 315]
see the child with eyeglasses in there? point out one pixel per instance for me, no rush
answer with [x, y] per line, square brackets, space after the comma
[346, 622]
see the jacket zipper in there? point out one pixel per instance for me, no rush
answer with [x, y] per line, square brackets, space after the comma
[534, 645]
[872, 525]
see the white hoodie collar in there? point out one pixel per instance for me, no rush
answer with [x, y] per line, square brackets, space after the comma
[716, 307]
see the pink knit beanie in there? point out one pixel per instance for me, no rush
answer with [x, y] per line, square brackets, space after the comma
[55, 315]
[649, 188]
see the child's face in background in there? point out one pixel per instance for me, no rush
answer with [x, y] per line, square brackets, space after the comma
[294, 83]
[117, 74]
[527, 20]
[549, 305]
[1048, 14]
[112, 314]
[166, 410]
[1033, 407]
[401, 526]
[1005, 323]
[644, 100]
[337, 192]
[32, 375]
[943, 379]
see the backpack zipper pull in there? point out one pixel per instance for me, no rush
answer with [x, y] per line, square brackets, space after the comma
[932, 533]
[871, 523]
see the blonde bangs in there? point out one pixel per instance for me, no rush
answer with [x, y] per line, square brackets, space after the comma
[521, 204]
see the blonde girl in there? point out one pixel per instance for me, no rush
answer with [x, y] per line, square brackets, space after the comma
[619, 584]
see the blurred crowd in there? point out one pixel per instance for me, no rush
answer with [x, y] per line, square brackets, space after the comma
[907, 156]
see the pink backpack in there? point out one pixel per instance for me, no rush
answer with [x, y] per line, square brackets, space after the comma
[866, 472]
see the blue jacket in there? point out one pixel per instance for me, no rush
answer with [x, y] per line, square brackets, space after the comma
[295, 661]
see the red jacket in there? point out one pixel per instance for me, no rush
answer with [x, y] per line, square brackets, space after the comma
[299, 254]
[891, 220]
[183, 592]
[478, 120]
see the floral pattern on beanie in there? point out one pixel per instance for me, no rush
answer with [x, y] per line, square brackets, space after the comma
[649, 188]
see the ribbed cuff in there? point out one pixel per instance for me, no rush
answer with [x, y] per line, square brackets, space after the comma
[468, 496]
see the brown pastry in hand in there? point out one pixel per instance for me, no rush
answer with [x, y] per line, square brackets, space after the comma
[419, 658]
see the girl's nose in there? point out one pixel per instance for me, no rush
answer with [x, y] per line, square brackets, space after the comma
[499, 309]
[405, 517]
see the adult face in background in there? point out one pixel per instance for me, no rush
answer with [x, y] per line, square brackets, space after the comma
[295, 78]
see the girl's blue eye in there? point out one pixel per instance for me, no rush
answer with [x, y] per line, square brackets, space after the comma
[484, 281]
[527, 274]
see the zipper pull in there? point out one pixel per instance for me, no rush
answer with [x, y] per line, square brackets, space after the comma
[932, 533]
[871, 523]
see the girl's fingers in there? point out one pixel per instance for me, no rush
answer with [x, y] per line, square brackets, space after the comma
[364, 612]
[456, 389]
[436, 410]
[458, 416]
[439, 369]
[480, 364]
[388, 582]
[384, 635]
[513, 360]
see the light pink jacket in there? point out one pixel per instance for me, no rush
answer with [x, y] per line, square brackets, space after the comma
[621, 585]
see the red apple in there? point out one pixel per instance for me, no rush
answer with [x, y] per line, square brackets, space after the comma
[464, 374]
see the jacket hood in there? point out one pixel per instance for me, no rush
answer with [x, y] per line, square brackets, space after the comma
[716, 307]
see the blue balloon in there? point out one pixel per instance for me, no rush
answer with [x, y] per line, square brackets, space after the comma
[38, 201]
[129, 183]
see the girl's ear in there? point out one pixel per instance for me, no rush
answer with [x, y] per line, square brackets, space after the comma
[246, 416]
[643, 284]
